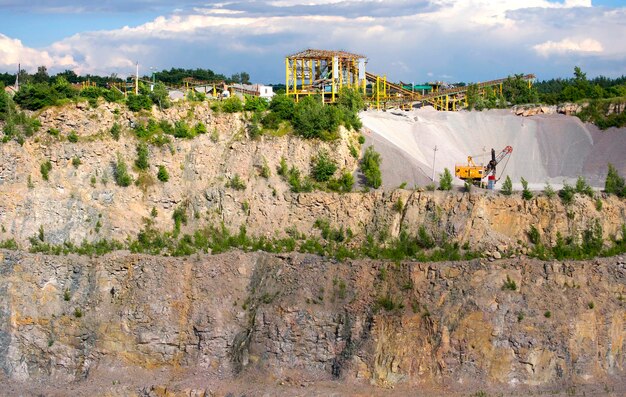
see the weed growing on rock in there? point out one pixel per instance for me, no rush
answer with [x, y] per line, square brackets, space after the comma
[265, 170]
[398, 206]
[76, 161]
[66, 295]
[72, 136]
[583, 187]
[547, 314]
[598, 204]
[236, 183]
[509, 285]
[614, 183]
[533, 235]
[45, 169]
[78, 313]
[591, 305]
[29, 182]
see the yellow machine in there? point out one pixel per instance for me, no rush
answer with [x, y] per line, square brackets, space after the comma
[475, 173]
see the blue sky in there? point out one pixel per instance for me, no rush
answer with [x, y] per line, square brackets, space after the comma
[409, 40]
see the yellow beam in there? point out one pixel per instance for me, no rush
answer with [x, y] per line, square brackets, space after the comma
[287, 76]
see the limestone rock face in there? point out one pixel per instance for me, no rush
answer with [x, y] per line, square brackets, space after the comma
[69, 318]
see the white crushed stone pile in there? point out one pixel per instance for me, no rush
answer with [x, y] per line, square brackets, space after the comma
[546, 148]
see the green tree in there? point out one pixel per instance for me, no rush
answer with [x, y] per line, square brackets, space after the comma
[283, 107]
[370, 165]
[136, 103]
[526, 194]
[160, 96]
[507, 186]
[614, 183]
[445, 180]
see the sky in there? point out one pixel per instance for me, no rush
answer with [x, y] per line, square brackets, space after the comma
[407, 40]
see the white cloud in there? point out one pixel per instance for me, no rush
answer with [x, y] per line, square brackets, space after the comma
[469, 39]
[568, 45]
[13, 52]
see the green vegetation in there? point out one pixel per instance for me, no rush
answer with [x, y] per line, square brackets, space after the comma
[143, 153]
[398, 206]
[116, 130]
[180, 217]
[264, 170]
[583, 188]
[509, 285]
[323, 167]
[591, 245]
[549, 190]
[526, 194]
[370, 166]
[445, 180]
[72, 136]
[614, 183]
[75, 161]
[232, 104]
[547, 314]
[533, 235]
[139, 102]
[45, 169]
[236, 183]
[120, 172]
[567, 193]
[507, 187]
[162, 174]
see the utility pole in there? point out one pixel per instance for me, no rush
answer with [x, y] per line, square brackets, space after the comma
[434, 154]
[17, 77]
[137, 79]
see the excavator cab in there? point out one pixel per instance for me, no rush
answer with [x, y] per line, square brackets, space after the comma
[475, 173]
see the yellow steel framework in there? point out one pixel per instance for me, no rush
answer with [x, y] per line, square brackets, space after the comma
[323, 72]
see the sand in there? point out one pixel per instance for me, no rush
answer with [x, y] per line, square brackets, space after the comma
[546, 148]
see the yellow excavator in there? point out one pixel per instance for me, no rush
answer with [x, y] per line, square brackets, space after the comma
[476, 173]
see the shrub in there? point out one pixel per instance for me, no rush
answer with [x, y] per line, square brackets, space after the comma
[182, 130]
[72, 137]
[567, 193]
[283, 107]
[162, 174]
[142, 156]
[282, 169]
[76, 161]
[507, 186]
[361, 139]
[323, 167]
[254, 131]
[445, 180]
[45, 169]
[614, 183]
[547, 314]
[468, 186]
[398, 206]
[265, 170]
[122, 178]
[297, 184]
[180, 217]
[255, 104]
[549, 191]
[370, 165]
[526, 194]
[136, 103]
[312, 119]
[343, 183]
[431, 187]
[116, 131]
[533, 235]
[200, 128]
[236, 183]
[583, 187]
[232, 105]
[598, 204]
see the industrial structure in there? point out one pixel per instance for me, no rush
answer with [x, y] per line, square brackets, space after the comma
[326, 73]
[476, 173]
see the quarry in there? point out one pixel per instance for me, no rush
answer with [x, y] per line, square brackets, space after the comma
[231, 262]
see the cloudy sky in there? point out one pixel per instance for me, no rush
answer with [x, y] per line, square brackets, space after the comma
[409, 40]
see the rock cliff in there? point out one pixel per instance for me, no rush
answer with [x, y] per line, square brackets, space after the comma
[289, 320]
